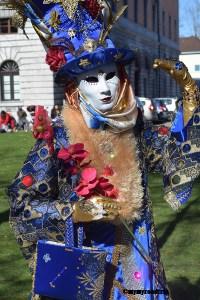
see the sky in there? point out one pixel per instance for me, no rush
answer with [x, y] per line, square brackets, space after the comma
[185, 18]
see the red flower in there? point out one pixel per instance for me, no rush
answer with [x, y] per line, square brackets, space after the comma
[55, 58]
[87, 183]
[163, 130]
[106, 188]
[42, 128]
[73, 170]
[90, 184]
[74, 152]
[108, 171]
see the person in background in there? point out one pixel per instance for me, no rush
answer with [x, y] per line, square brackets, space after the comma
[22, 119]
[53, 113]
[58, 109]
[31, 110]
[7, 122]
[56, 112]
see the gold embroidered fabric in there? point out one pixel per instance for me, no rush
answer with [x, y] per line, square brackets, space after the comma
[69, 6]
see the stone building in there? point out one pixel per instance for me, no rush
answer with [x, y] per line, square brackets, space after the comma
[149, 27]
[25, 78]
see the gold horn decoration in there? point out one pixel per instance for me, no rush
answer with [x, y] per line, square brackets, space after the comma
[18, 19]
[111, 20]
[191, 94]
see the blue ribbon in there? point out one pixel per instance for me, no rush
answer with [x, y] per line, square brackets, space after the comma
[97, 119]
[29, 12]
[178, 130]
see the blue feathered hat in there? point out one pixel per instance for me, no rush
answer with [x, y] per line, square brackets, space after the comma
[75, 33]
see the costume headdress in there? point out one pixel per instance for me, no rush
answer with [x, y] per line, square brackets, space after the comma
[75, 33]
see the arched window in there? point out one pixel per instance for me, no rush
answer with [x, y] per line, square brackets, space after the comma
[9, 78]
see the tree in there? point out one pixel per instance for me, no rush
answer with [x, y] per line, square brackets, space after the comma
[194, 12]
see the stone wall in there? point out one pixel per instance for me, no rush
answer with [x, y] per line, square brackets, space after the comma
[148, 45]
[36, 80]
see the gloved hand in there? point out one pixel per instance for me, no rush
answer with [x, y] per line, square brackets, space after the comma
[96, 209]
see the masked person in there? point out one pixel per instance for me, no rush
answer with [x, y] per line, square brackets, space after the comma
[85, 181]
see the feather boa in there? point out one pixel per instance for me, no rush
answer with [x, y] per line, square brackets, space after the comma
[117, 150]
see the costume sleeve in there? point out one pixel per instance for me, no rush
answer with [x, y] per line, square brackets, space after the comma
[153, 141]
[181, 159]
[39, 201]
[175, 154]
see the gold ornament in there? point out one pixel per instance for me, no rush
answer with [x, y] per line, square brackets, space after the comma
[54, 20]
[191, 94]
[110, 20]
[90, 45]
[18, 20]
[84, 62]
[70, 6]
[40, 129]
[71, 32]
[141, 230]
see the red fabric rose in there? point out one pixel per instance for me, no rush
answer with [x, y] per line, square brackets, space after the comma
[108, 171]
[87, 183]
[42, 128]
[90, 185]
[107, 189]
[55, 58]
[74, 152]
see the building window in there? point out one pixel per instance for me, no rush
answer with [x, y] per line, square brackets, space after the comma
[154, 17]
[136, 11]
[170, 27]
[163, 22]
[9, 79]
[145, 12]
[145, 87]
[175, 30]
[6, 26]
[197, 68]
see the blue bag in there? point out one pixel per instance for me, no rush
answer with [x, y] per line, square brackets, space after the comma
[69, 273]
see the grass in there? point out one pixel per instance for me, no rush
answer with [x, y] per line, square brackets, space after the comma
[178, 233]
[179, 240]
[15, 281]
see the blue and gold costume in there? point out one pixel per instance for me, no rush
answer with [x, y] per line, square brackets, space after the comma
[42, 196]
[41, 210]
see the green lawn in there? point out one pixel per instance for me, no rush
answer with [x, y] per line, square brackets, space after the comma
[179, 233]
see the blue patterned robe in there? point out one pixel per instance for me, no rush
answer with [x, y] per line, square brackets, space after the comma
[42, 210]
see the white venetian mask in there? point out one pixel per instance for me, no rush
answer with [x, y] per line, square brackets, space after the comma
[100, 87]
